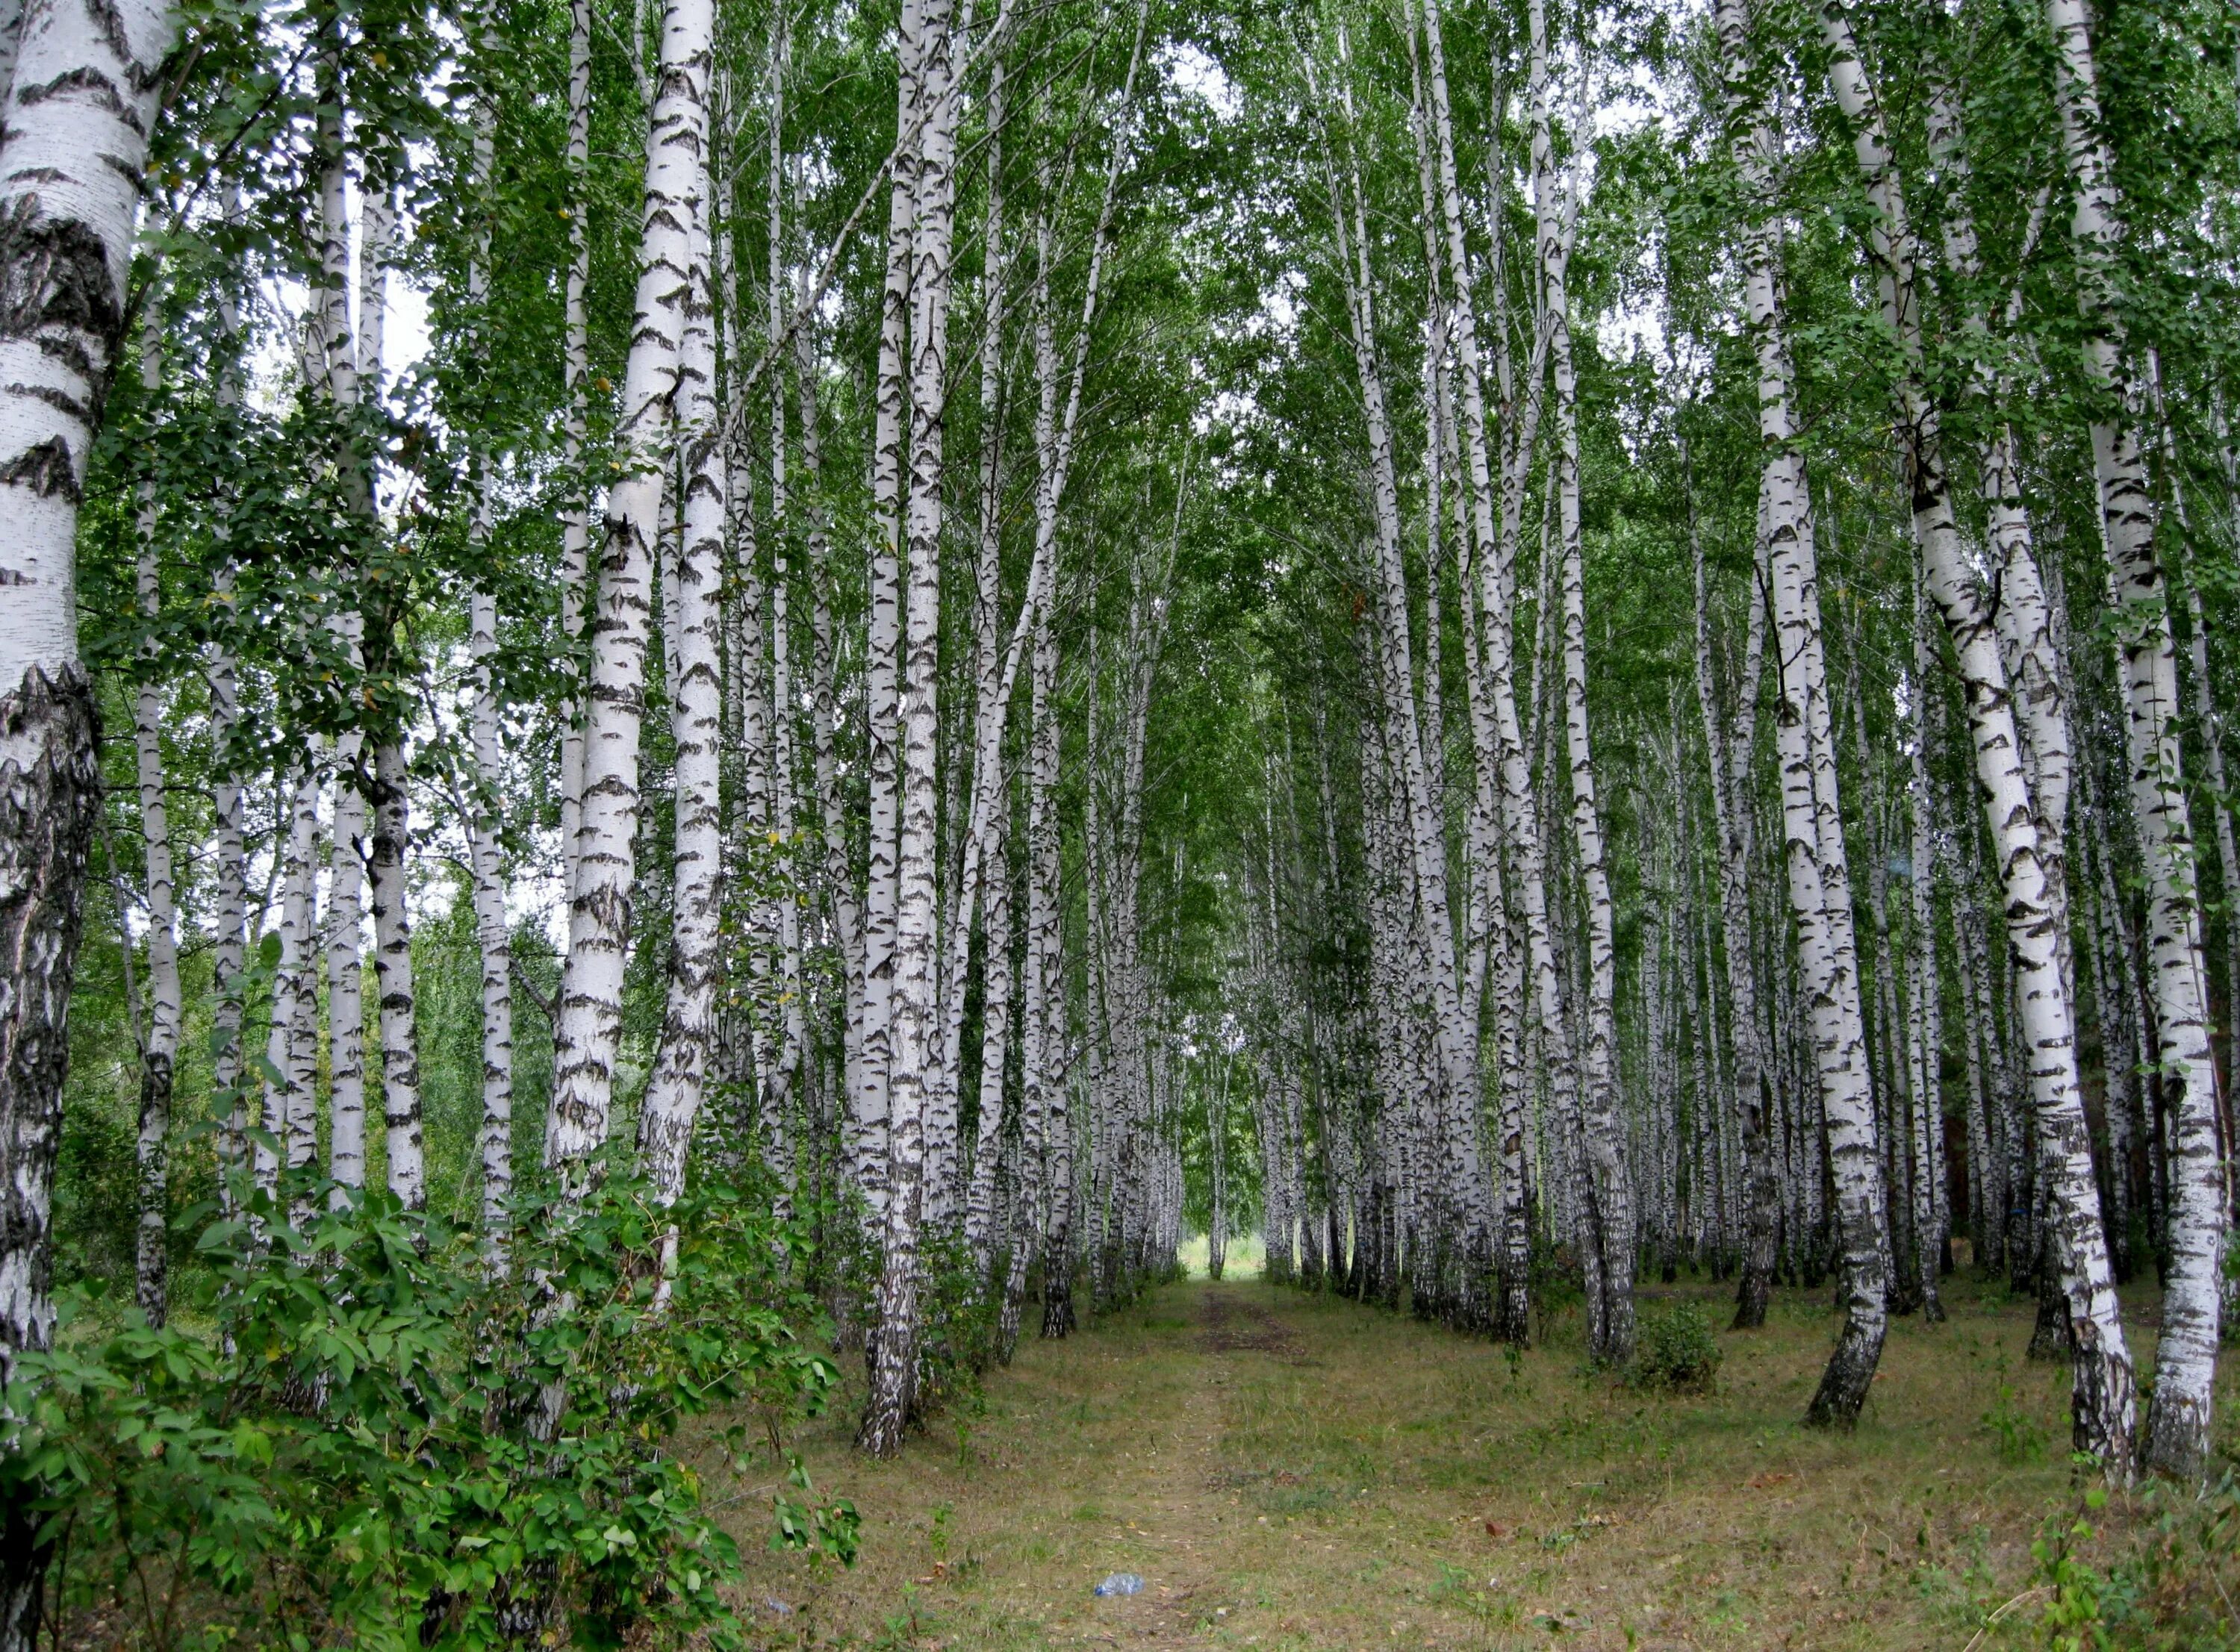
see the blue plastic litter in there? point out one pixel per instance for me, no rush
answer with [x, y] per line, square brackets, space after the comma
[1121, 1583]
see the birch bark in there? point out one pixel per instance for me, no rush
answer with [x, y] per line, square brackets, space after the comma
[79, 108]
[2103, 1397]
[1817, 879]
[2179, 1420]
[677, 1084]
[576, 368]
[869, 1102]
[916, 951]
[1456, 1039]
[159, 1049]
[1733, 820]
[486, 856]
[590, 1026]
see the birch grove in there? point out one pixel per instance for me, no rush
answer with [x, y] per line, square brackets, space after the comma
[887, 679]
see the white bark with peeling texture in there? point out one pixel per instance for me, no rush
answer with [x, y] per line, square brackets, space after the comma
[588, 1033]
[72, 141]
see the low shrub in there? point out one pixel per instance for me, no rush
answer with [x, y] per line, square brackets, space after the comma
[371, 1436]
[2156, 1571]
[1675, 1351]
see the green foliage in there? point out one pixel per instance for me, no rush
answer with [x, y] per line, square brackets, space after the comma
[2079, 1597]
[382, 1439]
[1678, 1352]
[2017, 1434]
[2161, 1574]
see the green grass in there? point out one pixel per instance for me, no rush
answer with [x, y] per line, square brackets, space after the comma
[1365, 1480]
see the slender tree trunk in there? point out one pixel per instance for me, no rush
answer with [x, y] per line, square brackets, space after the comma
[677, 1084]
[2178, 1421]
[2035, 908]
[159, 1050]
[987, 866]
[486, 855]
[913, 1041]
[590, 1027]
[70, 173]
[576, 366]
[870, 1103]
[1817, 878]
[1733, 818]
[1925, 1023]
[1456, 1038]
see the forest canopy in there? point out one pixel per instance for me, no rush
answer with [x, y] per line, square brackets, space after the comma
[695, 692]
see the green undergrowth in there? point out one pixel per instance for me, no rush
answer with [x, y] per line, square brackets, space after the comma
[370, 1432]
[1295, 1471]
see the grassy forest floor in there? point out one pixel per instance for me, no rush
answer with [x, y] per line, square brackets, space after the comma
[1288, 1471]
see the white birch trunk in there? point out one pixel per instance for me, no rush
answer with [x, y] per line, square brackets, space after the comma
[1457, 1038]
[2104, 1385]
[913, 1029]
[677, 1084]
[590, 1026]
[291, 1042]
[869, 1103]
[69, 174]
[1733, 820]
[575, 515]
[159, 1049]
[486, 730]
[1925, 998]
[1818, 880]
[361, 353]
[986, 871]
[2178, 1435]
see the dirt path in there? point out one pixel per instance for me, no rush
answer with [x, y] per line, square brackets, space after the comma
[1291, 1472]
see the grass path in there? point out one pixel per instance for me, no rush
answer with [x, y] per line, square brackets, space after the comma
[1295, 1472]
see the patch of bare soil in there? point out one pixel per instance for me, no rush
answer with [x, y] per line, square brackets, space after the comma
[1228, 1324]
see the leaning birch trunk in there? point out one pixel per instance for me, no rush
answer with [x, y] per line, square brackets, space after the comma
[589, 1029]
[912, 1026]
[69, 174]
[1829, 981]
[678, 1082]
[2185, 1360]
[2102, 1396]
[159, 1050]
[2208, 723]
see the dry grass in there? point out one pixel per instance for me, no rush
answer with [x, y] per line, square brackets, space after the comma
[1293, 1472]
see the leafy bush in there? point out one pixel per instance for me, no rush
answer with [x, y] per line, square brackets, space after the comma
[377, 1438]
[2165, 1566]
[2014, 1433]
[1677, 1350]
